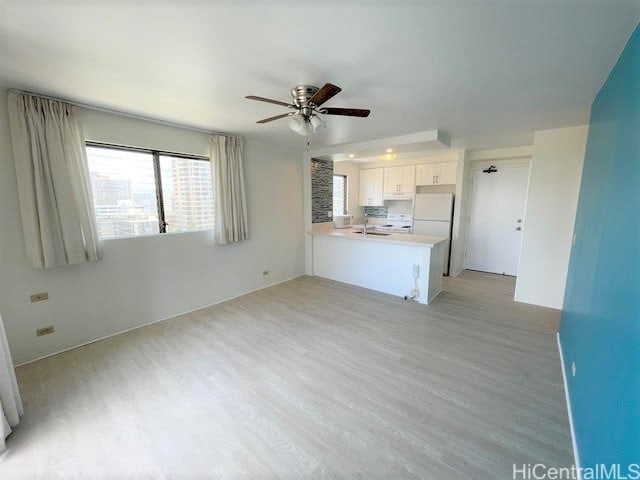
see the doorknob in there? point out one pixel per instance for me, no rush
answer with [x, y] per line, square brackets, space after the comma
[518, 228]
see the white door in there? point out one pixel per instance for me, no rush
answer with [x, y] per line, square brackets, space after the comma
[497, 219]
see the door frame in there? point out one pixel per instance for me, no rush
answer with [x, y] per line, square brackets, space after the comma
[481, 165]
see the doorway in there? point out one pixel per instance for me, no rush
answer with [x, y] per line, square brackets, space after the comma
[497, 218]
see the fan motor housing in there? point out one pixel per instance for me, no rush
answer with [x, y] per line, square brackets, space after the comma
[302, 93]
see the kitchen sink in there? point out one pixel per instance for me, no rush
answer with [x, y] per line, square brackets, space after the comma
[383, 234]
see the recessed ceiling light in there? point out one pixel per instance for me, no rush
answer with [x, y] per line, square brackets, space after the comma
[351, 155]
[389, 150]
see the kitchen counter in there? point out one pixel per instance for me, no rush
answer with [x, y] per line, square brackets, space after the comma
[402, 238]
[397, 263]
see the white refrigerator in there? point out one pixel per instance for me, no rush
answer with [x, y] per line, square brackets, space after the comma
[433, 215]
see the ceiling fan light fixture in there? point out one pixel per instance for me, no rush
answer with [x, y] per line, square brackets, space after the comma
[299, 124]
[306, 105]
[316, 122]
[303, 125]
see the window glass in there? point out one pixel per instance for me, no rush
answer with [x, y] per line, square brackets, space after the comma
[127, 183]
[187, 192]
[124, 192]
[339, 194]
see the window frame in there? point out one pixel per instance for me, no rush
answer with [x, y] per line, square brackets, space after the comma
[345, 195]
[156, 154]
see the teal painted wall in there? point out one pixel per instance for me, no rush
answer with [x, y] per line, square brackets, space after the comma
[600, 328]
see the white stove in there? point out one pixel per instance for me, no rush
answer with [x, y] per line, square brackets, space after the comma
[397, 223]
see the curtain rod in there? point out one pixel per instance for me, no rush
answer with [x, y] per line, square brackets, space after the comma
[119, 112]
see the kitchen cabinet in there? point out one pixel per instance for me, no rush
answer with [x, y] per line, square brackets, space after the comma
[436, 173]
[400, 179]
[371, 187]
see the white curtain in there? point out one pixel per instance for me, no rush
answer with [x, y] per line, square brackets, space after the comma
[53, 182]
[10, 402]
[231, 204]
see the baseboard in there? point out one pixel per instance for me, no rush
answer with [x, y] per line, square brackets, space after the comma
[576, 456]
[156, 321]
[433, 297]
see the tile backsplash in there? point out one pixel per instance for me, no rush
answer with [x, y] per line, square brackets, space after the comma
[321, 190]
[376, 212]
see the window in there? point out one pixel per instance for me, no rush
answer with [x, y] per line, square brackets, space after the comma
[142, 192]
[187, 193]
[339, 194]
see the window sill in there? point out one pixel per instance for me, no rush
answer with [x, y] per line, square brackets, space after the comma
[153, 235]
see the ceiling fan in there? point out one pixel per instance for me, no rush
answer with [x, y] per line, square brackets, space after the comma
[307, 101]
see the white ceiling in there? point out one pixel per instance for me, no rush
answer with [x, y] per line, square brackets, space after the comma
[488, 73]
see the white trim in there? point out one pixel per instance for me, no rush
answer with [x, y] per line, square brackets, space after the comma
[576, 456]
[156, 321]
[433, 297]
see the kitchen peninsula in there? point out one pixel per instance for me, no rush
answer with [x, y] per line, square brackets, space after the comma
[394, 263]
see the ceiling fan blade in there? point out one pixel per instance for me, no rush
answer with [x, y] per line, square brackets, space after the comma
[277, 117]
[349, 112]
[325, 93]
[268, 100]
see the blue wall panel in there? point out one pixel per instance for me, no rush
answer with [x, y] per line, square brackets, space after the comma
[600, 328]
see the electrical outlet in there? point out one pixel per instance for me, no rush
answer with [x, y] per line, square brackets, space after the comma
[39, 297]
[44, 331]
[416, 271]
[573, 368]
[330, 214]
[265, 272]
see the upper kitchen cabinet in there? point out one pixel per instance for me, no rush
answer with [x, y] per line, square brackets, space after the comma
[398, 180]
[371, 187]
[436, 173]
[448, 173]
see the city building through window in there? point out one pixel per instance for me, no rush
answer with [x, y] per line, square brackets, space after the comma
[145, 192]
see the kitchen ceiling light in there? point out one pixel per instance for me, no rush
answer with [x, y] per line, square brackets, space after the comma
[388, 156]
[389, 150]
[351, 155]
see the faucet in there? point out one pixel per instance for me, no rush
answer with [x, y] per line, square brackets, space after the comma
[364, 228]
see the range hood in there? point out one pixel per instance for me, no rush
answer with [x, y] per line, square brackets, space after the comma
[398, 196]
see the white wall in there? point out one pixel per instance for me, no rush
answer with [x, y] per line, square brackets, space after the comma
[460, 225]
[145, 279]
[552, 199]
[352, 171]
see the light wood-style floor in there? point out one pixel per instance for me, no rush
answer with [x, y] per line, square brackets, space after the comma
[306, 379]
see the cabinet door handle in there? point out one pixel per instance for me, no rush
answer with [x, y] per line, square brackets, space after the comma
[433, 179]
[437, 178]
